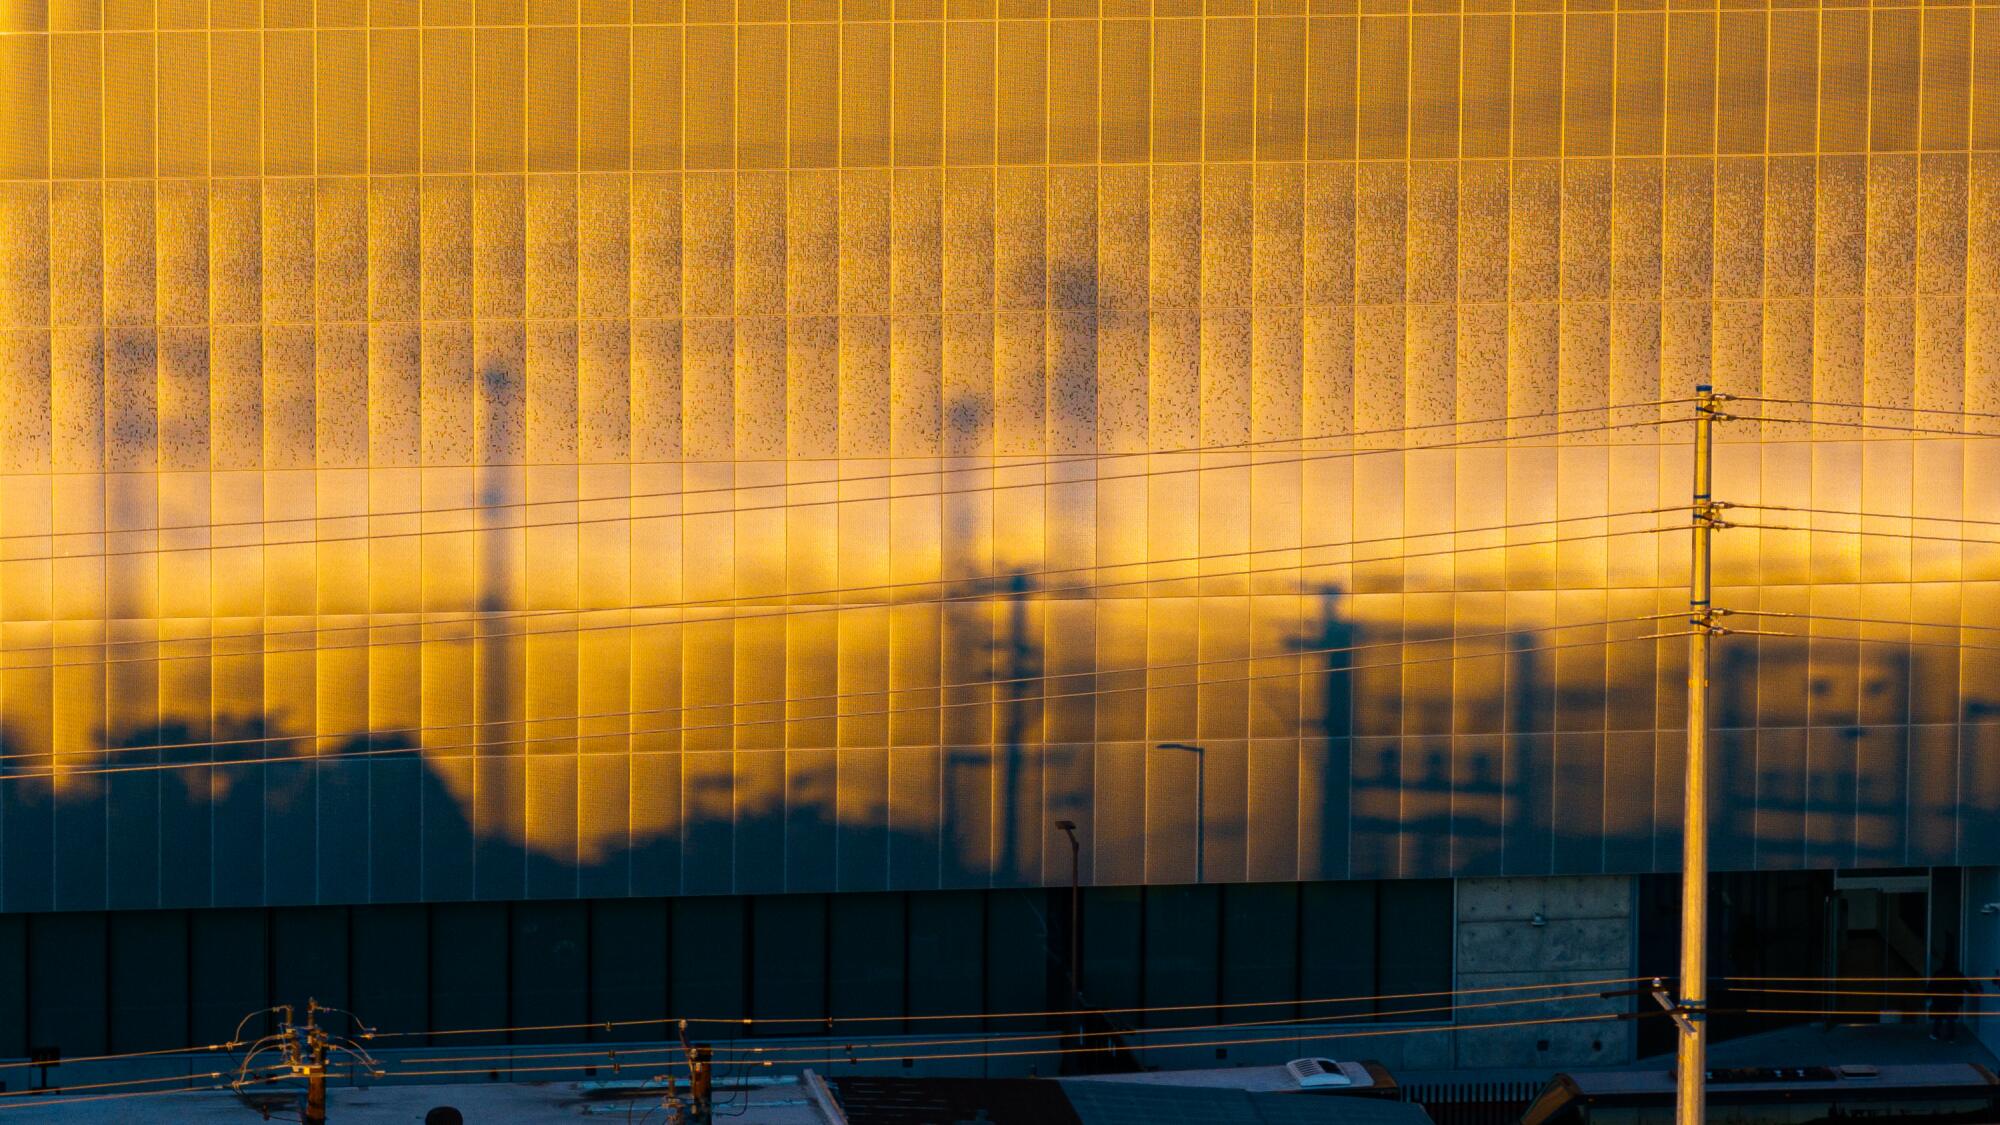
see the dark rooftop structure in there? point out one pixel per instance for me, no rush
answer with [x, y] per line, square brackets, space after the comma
[1122, 1103]
[1041, 1101]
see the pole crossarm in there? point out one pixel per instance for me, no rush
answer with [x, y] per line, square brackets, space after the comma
[1682, 1013]
[305, 1050]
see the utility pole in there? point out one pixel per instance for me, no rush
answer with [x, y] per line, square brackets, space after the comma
[1691, 1074]
[310, 1051]
[701, 1087]
[304, 1050]
[701, 1084]
[316, 1083]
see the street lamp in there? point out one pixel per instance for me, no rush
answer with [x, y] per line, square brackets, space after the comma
[1200, 802]
[1075, 970]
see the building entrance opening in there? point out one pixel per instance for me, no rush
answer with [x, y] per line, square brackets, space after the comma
[1877, 926]
[1809, 926]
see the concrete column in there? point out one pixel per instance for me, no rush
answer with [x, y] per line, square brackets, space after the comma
[1543, 931]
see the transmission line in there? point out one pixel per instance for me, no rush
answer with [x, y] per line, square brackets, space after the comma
[1316, 1036]
[783, 506]
[999, 595]
[1252, 445]
[1039, 1013]
[774, 1053]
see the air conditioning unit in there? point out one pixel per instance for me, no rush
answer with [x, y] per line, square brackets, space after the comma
[1313, 1074]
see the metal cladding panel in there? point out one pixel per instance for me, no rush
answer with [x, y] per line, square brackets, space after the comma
[469, 965]
[628, 967]
[592, 451]
[147, 969]
[549, 951]
[14, 1006]
[788, 962]
[387, 977]
[229, 970]
[72, 946]
[709, 945]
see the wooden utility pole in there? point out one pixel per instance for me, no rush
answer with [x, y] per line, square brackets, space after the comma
[701, 1084]
[316, 1090]
[315, 1067]
[701, 1081]
[1691, 1073]
[305, 1050]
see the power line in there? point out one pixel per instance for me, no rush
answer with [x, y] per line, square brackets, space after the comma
[36, 1103]
[1315, 1037]
[998, 596]
[970, 684]
[525, 614]
[1427, 1029]
[620, 1055]
[427, 751]
[1905, 642]
[773, 1053]
[791, 594]
[264, 740]
[125, 1055]
[1911, 516]
[1809, 615]
[834, 697]
[1251, 446]
[412, 751]
[1890, 427]
[5, 1094]
[789, 505]
[1022, 462]
[1855, 991]
[1040, 1013]
[982, 596]
[785, 506]
[1831, 404]
[1874, 1012]
[1822, 980]
[1873, 532]
[617, 1055]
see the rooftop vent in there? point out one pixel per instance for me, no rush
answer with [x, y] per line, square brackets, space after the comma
[1724, 1075]
[1859, 1070]
[1312, 1074]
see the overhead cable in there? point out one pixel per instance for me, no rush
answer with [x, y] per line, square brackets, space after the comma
[777, 607]
[1039, 1013]
[416, 751]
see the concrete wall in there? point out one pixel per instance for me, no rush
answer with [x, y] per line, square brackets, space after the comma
[1981, 953]
[1543, 931]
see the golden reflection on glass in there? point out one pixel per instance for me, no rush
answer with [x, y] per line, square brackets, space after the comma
[649, 455]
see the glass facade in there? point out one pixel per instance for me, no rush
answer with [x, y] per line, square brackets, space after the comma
[503, 449]
[621, 970]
